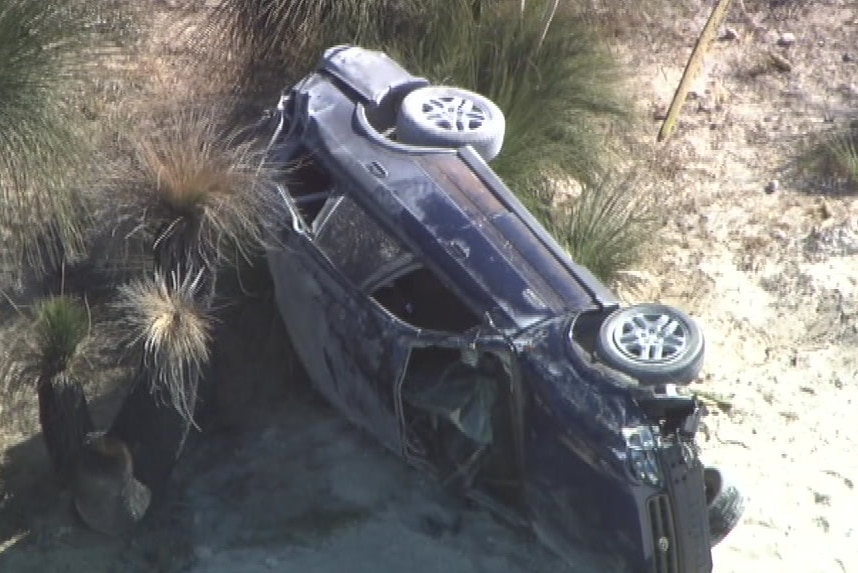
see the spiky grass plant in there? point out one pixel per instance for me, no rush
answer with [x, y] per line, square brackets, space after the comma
[61, 324]
[195, 190]
[290, 34]
[47, 349]
[843, 148]
[172, 329]
[606, 228]
[44, 49]
[828, 161]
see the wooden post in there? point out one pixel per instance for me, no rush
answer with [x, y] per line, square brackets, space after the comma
[692, 67]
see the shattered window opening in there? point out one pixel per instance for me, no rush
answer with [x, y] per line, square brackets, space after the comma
[420, 299]
[354, 243]
[308, 185]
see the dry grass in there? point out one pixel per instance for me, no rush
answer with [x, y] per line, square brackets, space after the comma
[829, 161]
[173, 330]
[44, 49]
[194, 190]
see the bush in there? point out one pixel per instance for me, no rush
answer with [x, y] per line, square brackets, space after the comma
[842, 152]
[193, 191]
[171, 327]
[43, 48]
[549, 74]
[606, 228]
[61, 324]
[829, 161]
[46, 350]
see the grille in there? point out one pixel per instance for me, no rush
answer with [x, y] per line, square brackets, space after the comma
[664, 540]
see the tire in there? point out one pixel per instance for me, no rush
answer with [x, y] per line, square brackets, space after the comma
[654, 343]
[725, 504]
[441, 116]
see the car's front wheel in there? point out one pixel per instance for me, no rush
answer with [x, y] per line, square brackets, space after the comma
[441, 116]
[655, 343]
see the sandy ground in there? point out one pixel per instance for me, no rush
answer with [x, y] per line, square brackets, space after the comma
[771, 276]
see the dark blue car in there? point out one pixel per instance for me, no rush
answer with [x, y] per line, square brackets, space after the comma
[432, 309]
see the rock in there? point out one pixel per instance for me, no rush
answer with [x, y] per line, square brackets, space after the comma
[848, 58]
[772, 186]
[786, 39]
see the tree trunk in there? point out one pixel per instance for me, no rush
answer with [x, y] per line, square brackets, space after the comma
[65, 419]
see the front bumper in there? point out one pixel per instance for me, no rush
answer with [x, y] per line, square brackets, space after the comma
[678, 518]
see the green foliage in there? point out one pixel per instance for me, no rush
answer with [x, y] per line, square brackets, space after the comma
[44, 46]
[61, 324]
[543, 67]
[606, 227]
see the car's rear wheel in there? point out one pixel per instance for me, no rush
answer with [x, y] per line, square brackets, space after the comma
[441, 116]
[655, 343]
[725, 504]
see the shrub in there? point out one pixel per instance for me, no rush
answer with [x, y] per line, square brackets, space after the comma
[542, 66]
[171, 327]
[829, 161]
[47, 351]
[61, 324]
[606, 227]
[43, 47]
[843, 152]
[194, 191]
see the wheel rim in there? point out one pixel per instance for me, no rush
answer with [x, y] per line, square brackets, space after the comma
[454, 113]
[651, 338]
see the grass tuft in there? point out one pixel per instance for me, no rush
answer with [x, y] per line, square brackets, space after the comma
[843, 150]
[45, 55]
[195, 190]
[829, 162]
[173, 329]
[606, 227]
[62, 322]
[543, 66]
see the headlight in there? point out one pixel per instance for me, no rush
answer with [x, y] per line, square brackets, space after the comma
[641, 446]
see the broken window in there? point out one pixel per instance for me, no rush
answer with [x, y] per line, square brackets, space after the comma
[420, 299]
[353, 242]
[459, 412]
[308, 185]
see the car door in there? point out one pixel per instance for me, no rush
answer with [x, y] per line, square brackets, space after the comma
[347, 347]
[459, 395]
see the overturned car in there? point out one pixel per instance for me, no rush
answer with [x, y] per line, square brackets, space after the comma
[433, 310]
